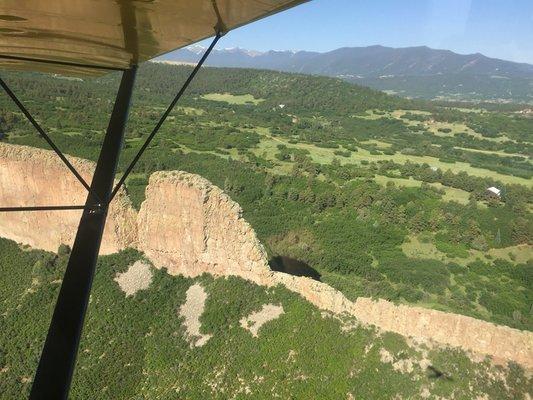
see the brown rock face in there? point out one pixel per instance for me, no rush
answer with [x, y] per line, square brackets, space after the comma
[190, 227]
[500, 342]
[35, 177]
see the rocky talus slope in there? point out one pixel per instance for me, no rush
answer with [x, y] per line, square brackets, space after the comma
[190, 227]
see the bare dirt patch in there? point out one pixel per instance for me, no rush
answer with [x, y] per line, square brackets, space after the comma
[192, 310]
[256, 320]
[137, 277]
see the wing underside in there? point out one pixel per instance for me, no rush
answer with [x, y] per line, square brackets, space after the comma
[92, 37]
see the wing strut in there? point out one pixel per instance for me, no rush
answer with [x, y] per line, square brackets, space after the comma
[44, 208]
[47, 138]
[56, 366]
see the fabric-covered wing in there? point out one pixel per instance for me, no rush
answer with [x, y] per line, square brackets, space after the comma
[74, 36]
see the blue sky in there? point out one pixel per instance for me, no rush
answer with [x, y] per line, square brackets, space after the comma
[496, 28]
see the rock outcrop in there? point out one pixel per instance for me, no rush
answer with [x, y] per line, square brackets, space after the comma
[190, 227]
[36, 177]
[484, 338]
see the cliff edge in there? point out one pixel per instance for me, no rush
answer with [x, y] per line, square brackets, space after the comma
[36, 177]
[190, 227]
[199, 229]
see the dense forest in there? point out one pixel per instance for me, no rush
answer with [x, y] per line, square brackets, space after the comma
[134, 347]
[349, 180]
[383, 196]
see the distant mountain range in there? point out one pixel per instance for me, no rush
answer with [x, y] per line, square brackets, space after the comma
[411, 71]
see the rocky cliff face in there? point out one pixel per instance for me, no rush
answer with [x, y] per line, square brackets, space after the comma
[190, 227]
[35, 177]
[199, 229]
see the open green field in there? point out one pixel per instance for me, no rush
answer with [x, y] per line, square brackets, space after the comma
[415, 247]
[320, 155]
[233, 99]
[451, 194]
[497, 153]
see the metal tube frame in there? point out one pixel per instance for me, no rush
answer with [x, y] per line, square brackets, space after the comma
[45, 136]
[56, 366]
[45, 208]
[165, 115]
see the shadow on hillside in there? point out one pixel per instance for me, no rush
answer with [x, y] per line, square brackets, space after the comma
[293, 267]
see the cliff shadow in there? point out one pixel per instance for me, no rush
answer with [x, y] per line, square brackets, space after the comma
[294, 267]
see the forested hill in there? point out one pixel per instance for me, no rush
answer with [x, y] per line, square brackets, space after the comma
[297, 92]
[159, 83]
[419, 72]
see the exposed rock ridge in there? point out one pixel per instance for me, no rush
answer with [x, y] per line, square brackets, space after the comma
[199, 229]
[191, 227]
[36, 177]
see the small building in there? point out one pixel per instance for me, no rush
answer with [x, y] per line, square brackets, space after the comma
[494, 191]
[281, 106]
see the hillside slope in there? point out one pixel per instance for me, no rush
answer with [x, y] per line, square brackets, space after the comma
[381, 196]
[138, 346]
[376, 196]
[411, 71]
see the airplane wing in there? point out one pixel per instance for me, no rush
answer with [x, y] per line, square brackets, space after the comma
[93, 37]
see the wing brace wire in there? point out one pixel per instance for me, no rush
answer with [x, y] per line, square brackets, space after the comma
[165, 114]
[48, 140]
[44, 208]
[220, 32]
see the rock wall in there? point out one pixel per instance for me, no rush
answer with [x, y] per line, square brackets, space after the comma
[35, 177]
[198, 229]
[425, 325]
[500, 342]
[190, 227]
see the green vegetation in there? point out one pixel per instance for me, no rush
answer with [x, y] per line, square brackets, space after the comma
[341, 177]
[383, 196]
[233, 99]
[135, 347]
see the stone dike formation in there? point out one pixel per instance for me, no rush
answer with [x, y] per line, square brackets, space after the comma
[190, 227]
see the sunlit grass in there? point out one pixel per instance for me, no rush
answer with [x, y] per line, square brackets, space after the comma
[233, 99]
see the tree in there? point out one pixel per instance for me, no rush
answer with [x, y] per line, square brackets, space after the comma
[63, 250]
[498, 238]
[521, 231]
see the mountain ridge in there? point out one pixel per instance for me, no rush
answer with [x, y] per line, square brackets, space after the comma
[443, 73]
[455, 62]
